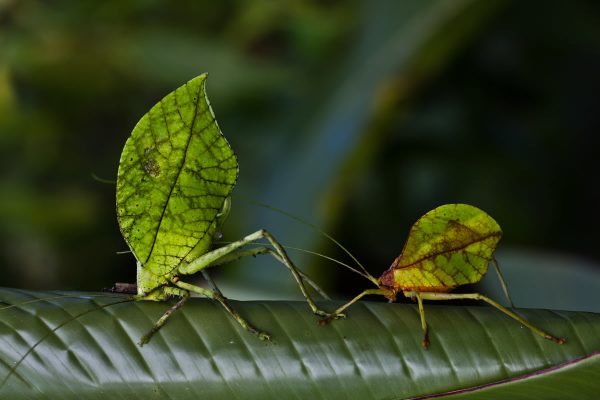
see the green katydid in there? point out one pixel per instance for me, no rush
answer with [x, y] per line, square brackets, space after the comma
[176, 175]
[450, 246]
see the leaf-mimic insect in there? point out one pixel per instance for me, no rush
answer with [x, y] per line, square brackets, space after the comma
[450, 246]
[176, 175]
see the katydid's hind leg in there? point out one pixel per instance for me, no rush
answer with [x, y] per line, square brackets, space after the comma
[211, 282]
[212, 294]
[303, 275]
[208, 259]
[266, 250]
[280, 255]
[314, 285]
[479, 296]
[285, 259]
[163, 319]
[240, 253]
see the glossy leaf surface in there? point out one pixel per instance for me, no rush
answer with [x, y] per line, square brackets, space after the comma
[375, 353]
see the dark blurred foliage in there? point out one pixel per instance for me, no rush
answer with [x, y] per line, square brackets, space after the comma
[356, 115]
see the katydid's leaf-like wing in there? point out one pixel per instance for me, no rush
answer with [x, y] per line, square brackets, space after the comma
[176, 171]
[449, 246]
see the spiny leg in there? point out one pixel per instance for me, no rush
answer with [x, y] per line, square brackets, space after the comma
[314, 285]
[236, 255]
[478, 296]
[163, 319]
[305, 277]
[338, 313]
[295, 272]
[212, 294]
[207, 260]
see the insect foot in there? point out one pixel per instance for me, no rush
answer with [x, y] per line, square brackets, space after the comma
[145, 339]
[330, 317]
[259, 334]
[426, 340]
[557, 340]
[322, 313]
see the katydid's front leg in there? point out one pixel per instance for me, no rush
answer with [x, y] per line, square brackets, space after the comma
[208, 259]
[339, 312]
[185, 295]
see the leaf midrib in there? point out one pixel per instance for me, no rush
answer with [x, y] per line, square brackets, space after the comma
[445, 252]
[180, 168]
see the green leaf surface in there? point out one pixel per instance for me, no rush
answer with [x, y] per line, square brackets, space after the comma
[176, 171]
[376, 353]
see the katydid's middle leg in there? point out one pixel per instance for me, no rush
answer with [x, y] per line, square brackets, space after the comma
[208, 259]
[424, 325]
[418, 296]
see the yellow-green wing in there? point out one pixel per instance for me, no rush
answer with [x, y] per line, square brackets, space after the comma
[176, 171]
[449, 246]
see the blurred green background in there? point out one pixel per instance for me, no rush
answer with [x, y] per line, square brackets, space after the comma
[358, 116]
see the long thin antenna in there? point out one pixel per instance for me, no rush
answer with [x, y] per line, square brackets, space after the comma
[343, 264]
[364, 273]
[102, 180]
[502, 281]
[260, 244]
